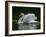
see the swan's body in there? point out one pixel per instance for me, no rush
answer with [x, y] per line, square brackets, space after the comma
[25, 22]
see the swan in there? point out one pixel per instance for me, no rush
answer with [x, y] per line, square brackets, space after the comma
[27, 21]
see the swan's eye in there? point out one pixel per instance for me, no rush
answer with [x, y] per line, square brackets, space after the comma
[22, 20]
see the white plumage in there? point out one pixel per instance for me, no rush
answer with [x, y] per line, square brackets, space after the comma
[25, 21]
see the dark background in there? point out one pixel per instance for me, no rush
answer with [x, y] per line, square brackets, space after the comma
[17, 10]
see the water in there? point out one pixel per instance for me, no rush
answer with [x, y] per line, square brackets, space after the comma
[27, 26]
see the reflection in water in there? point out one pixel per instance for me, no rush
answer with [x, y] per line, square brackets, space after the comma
[28, 22]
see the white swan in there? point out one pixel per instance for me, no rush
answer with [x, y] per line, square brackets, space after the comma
[27, 18]
[25, 21]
